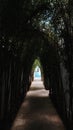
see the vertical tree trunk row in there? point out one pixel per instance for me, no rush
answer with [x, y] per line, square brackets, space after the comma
[14, 81]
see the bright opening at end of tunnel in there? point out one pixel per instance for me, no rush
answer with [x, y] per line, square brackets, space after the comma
[37, 73]
[37, 70]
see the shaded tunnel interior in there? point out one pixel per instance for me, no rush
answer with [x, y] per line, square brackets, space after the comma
[36, 30]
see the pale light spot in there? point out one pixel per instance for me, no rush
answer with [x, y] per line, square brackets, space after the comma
[19, 122]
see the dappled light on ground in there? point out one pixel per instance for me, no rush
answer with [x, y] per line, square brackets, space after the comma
[37, 111]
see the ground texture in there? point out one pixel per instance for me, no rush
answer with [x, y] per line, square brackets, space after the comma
[37, 111]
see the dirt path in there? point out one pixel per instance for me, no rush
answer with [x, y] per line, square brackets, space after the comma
[37, 111]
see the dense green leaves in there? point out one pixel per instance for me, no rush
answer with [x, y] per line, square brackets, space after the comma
[22, 20]
[35, 64]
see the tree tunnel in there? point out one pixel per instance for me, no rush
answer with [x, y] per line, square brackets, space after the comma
[36, 29]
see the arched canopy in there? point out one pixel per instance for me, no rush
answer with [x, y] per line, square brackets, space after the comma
[31, 29]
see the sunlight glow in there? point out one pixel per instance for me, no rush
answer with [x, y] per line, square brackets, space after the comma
[19, 122]
[37, 73]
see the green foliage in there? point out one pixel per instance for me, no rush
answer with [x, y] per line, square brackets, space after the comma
[35, 64]
[21, 20]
